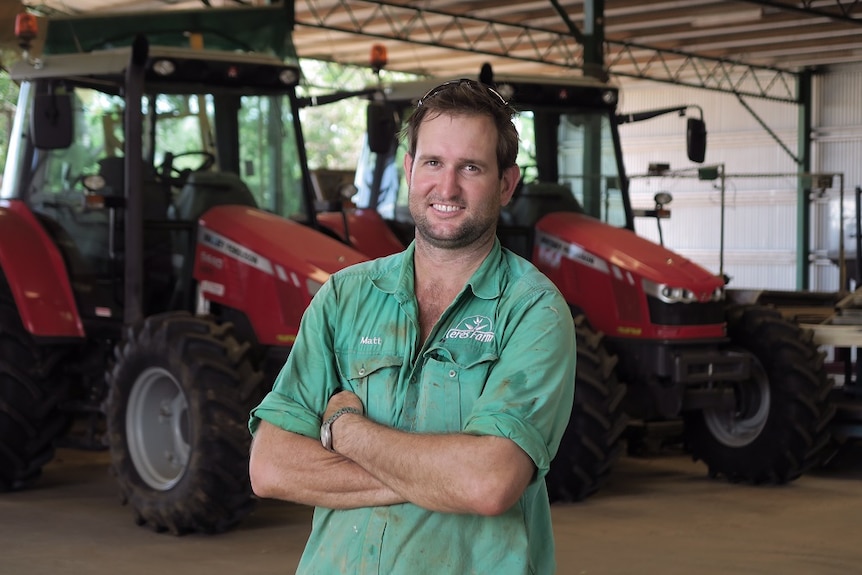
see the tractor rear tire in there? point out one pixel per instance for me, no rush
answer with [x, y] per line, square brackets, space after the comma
[32, 391]
[180, 393]
[592, 441]
[781, 419]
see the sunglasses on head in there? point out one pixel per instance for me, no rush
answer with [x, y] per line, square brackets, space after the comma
[455, 83]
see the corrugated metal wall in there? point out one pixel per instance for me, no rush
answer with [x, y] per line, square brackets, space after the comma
[838, 145]
[759, 243]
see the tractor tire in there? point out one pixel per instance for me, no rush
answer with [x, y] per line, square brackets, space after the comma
[781, 420]
[591, 443]
[179, 398]
[32, 391]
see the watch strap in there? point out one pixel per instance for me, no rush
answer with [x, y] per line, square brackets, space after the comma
[339, 413]
[328, 424]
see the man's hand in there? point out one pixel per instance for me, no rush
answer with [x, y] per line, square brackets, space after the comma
[342, 399]
[338, 401]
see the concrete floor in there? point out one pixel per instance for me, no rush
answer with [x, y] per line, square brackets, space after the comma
[659, 515]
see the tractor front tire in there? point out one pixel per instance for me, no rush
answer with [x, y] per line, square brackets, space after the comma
[32, 391]
[180, 392]
[780, 422]
[591, 443]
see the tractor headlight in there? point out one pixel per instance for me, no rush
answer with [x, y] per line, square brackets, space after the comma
[669, 294]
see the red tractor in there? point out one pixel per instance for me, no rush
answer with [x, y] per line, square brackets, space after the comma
[658, 342]
[159, 246]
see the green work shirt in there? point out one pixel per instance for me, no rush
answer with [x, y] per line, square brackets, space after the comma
[500, 361]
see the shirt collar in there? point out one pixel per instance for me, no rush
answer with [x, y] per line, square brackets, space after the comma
[486, 280]
[485, 283]
[398, 276]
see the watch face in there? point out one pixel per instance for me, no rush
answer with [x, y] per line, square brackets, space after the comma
[326, 436]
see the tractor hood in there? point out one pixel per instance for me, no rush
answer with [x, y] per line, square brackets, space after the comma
[264, 239]
[602, 244]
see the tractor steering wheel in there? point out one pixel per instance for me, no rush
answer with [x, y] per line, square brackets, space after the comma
[177, 177]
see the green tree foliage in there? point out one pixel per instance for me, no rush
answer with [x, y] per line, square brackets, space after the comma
[8, 97]
[334, 133]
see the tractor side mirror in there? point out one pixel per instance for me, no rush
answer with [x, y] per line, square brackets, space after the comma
[51, 120]
[380, 122]
[695, 140]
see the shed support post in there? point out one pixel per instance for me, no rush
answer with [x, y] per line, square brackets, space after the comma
[803, 204]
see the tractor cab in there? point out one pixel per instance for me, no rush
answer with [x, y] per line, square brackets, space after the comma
[570, 155]
[230, 140]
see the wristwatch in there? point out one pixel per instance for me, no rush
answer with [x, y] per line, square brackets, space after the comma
[326, 428]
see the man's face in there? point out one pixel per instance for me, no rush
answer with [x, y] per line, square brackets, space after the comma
[456, 192]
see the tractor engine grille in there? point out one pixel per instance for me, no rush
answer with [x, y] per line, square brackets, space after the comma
[694, 313]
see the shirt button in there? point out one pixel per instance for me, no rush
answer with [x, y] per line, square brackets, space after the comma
[452, 373]
[361, 371]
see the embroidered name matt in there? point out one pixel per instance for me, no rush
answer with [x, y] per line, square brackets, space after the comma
[371, 340]
[476, 327]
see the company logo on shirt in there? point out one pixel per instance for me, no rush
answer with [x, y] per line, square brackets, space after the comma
[476, 327]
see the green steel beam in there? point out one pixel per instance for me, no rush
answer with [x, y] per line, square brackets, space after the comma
[803, 213]
[594, 44]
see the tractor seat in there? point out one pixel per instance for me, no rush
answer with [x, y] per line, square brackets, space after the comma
[538, 199]
[204, 190]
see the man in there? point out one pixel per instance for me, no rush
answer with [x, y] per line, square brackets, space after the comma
[443, 375]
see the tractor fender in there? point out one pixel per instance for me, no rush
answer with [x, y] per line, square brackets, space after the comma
[36, 274]
[369, 233]
[265, 266]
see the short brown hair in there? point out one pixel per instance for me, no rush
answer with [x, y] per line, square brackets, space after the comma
[470, 98]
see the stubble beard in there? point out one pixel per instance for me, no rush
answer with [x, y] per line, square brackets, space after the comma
[469, 233]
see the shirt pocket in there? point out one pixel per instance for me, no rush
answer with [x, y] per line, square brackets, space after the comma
[448, 389]
[374, 378]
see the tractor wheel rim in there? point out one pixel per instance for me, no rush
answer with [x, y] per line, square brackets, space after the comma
[743, 424]
[157, 428]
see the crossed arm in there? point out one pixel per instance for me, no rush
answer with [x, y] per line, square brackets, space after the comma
[376, 465]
